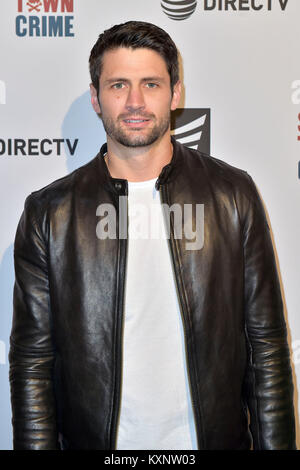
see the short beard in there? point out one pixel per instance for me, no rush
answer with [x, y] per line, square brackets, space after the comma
[119, 135]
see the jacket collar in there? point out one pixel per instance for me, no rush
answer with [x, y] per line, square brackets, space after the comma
[167, 174]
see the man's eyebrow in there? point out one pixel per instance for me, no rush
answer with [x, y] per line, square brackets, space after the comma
[153, 79]
[126, 80]
[114, 80]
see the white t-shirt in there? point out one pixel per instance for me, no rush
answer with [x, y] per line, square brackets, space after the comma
[156, 411]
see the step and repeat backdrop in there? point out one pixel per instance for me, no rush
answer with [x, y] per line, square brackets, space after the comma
[241, 103]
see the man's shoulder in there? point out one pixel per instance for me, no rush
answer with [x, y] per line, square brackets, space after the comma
[211, 163]
[223, 179]
[215, 170]
[61, 188]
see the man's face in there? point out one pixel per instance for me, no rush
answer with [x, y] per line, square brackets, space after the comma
[135, 96]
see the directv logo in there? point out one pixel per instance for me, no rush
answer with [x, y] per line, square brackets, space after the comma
[191, 127]
[183, 9]
[178, 9]
[2, 92]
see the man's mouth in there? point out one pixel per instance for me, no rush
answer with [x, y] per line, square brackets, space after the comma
[136, 123]
[136, 120]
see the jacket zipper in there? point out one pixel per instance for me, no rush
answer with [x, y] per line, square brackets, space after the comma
[120, 334]
[119, 343]
[164, 199]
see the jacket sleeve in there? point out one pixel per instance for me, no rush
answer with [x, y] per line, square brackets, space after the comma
[31, 354]
[269, 383]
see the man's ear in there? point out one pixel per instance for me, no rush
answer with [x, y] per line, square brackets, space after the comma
[94, 99]
[176, 95]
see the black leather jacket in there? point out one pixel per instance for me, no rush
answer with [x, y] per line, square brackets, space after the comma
[66, 340]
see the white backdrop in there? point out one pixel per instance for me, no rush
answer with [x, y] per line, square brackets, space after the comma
[242, 64]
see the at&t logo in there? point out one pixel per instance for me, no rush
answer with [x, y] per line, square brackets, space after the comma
[34, 22]
[179, 9]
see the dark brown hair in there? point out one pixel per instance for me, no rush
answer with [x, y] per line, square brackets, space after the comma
[135, 34]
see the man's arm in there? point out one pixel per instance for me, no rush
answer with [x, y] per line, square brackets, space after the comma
[32, 353]
[269, 378]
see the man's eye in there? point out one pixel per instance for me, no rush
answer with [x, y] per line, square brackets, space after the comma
[118, 86]
[151, 85]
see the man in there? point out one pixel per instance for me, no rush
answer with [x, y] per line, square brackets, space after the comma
[122, 341]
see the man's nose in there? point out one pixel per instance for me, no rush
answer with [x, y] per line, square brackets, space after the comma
[135, 99]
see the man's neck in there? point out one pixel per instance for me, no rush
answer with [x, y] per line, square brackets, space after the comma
[140, 163]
